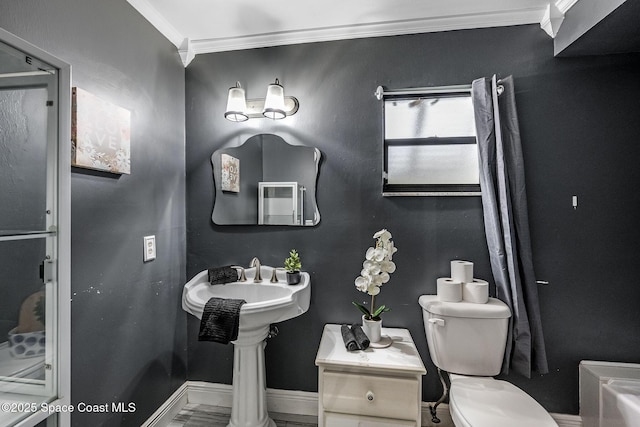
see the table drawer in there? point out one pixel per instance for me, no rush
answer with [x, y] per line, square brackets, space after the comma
[372, 395]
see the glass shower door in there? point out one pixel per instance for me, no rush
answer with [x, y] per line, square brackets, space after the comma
[28, 234]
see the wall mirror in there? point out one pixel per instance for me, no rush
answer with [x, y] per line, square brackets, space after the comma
[430, 146]
[266, 181]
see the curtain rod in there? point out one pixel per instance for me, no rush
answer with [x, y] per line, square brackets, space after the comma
[381, 92]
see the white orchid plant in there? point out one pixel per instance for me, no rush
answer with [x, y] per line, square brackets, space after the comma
[376, 269]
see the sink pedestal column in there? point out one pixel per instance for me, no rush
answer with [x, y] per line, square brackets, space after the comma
[249, 380]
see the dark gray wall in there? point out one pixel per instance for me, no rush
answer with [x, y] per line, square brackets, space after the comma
[580, 123]
[128, 341]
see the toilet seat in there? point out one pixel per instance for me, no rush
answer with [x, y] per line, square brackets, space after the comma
[487, 402]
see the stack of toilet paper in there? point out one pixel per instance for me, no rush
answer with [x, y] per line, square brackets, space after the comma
[461, 286]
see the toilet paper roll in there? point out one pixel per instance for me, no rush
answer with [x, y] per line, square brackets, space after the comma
[462, 270]
[476, 291]
[449, 290]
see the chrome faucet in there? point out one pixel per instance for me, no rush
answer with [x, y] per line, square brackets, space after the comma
[274, 276]
[241, 276]
[255, 262]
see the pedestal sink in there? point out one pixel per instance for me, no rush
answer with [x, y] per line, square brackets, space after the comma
[266, 303]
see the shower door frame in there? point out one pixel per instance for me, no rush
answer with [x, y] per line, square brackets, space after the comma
[49, 83]
[58, 158]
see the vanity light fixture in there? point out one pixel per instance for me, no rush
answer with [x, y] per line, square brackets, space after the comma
[275, 106]
[236, 104]
[274, 102]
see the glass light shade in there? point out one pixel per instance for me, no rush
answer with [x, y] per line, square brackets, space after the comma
[274, 102]
[236, 105]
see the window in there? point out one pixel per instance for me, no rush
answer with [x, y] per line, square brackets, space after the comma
[430, 146]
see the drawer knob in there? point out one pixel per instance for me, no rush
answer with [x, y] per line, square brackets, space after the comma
[370, 396]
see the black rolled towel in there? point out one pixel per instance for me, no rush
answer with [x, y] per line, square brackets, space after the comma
[348, 338]
[221, 275]
[220, 320]
[361, 337]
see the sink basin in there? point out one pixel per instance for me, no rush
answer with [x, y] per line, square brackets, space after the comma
[266, 302]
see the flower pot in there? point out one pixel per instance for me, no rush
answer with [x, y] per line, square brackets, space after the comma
[293, 278]
[372, 328]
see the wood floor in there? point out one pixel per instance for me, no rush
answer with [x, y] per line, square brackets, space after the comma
[197, 415]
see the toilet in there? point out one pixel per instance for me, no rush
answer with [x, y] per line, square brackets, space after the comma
[468, 340]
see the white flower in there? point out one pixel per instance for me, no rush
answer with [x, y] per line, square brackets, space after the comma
[375, 254]
[391, 249]
[362, 284]
[377, 266]
[388, 266]
[369, 254]
[371, 267]
[373, 290]
[383, 235]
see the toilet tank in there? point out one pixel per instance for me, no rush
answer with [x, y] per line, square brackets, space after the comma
[466, 338]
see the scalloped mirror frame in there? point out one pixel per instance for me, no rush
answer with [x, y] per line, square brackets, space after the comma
[264, 158]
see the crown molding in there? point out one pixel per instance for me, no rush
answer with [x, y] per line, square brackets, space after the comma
[152, 15]
[186, 52]
[565, 5]
[554, 16]
[189, 47]
[391, 28]
[552, 20]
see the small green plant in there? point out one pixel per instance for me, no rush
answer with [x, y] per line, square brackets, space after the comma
[367, 314]
[293, 264]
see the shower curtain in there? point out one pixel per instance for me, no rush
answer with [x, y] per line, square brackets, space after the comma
[506, 221]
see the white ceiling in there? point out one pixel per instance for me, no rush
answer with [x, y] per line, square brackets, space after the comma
[202, 26]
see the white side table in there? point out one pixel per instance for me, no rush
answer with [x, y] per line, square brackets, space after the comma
[373, 387]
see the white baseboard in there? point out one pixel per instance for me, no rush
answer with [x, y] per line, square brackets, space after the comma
[292, 402]
[286, 402]
[169, 409]
[283, 401]
[209, 393]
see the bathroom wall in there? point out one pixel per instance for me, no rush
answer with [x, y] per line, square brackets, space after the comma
[128, 327]
[580, 123]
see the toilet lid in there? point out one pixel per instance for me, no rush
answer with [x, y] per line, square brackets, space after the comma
[482, 401]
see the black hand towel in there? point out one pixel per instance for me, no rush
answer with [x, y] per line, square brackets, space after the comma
[361, 337]
[349, 339]
[220, 320]
[221, 275]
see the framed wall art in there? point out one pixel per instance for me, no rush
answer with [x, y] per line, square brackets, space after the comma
[230, 180]
[100, 134]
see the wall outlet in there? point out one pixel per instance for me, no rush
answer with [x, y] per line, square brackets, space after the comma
[149, 248]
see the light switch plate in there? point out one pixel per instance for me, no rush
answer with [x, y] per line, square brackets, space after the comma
[149, 248]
